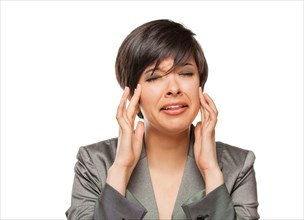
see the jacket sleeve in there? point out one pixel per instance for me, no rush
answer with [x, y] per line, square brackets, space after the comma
[240, 203]
[112, 205]
[92, 198]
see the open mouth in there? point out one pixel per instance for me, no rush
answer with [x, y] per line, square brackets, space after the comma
[173, 107]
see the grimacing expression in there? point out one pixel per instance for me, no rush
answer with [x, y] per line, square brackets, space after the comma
[169, 99]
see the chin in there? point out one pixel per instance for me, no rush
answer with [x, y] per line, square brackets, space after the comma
[176, 126]
[171, 124]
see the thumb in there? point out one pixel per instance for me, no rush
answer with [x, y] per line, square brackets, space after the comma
[198, 137]
[138, 137]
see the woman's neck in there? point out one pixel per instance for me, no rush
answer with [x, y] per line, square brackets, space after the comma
[166, 151]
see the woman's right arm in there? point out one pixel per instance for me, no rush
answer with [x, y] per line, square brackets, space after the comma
[127, 155]
[129, 142]
[93, 198]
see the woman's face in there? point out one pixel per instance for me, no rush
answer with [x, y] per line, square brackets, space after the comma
[169, 102]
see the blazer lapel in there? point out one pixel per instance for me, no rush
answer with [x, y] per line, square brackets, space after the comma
[191, 184]
[140, 185]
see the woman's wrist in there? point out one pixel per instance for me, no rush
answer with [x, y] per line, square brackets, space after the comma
[213, 178]
[118, 177]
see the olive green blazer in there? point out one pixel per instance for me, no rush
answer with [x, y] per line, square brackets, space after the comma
[92, 198]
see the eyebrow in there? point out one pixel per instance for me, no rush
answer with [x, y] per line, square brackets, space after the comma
[153, 69]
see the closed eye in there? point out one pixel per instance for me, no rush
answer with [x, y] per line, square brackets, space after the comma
[155, 77]
[186, 74]
[151, 79]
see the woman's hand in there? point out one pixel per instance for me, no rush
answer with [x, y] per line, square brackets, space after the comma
[204, 145]
[129, 142]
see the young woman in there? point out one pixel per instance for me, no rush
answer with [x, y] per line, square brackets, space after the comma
[167, 168]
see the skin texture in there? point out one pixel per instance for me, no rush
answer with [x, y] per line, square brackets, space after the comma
[169, 100]
[169, 88]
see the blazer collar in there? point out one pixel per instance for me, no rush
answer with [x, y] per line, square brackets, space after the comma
[140, 184]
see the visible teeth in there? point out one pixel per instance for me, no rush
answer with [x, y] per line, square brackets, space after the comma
[173, 107]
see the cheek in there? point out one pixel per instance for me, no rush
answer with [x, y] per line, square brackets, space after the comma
[193, 94]
[195, 100]
[149, 97]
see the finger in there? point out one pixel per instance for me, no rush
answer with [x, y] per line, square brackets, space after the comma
[122, 108]
[133, 105]
[197, 139]
[212, 115]
[202, 114]
[139, 130]
[122, 105]
[139, 133]
[197, 132]
[206, 117]
[201, 97]
[211, 103]
[203, 103]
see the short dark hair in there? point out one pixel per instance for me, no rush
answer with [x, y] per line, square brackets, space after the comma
[152, 42]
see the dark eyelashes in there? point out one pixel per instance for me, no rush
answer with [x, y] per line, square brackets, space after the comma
[151, 79]
[186, 74]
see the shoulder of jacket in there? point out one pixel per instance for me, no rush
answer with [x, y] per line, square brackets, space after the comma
[234, 156]
[103, 150]
[236, 163]
[102, 145]
[230, 149]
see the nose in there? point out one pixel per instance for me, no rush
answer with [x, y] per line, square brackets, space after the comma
[173, 93]
[173, 88]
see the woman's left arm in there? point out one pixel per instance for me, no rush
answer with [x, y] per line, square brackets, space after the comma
[204, 145]
[237, 202]
[241, 202]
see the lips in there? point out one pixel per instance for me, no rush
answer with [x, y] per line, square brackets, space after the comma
[177, 106]
[174, 108]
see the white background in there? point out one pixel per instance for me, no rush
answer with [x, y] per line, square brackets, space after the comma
[59, 92]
